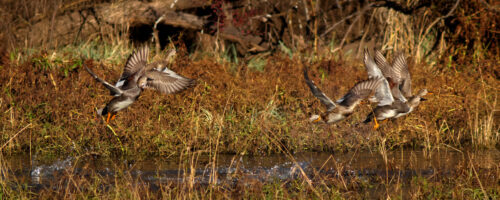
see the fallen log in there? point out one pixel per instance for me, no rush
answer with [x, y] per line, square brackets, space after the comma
[68, 26]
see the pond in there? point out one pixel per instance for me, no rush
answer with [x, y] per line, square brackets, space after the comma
[200, 169]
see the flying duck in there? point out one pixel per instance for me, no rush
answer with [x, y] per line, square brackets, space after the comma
[345, 105]
[396, 88]
[138, 75]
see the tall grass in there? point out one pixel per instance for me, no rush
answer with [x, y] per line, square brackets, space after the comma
[242, 105]
[483, 123]
[229, 110]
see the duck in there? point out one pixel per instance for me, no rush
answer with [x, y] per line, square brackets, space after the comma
[394, 95]
[402, 81]
[398, 73]
[380, 68]
[387, 106]
[138, 75]
[395, 110]
[344, 107]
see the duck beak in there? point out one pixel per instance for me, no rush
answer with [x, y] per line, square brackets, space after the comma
[430, 93]
[423, 99]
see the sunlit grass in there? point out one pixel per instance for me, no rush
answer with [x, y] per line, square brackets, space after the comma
[250, 105]
[239, 106]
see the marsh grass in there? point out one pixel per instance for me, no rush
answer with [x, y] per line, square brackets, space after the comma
[233, 107]
[250, 105]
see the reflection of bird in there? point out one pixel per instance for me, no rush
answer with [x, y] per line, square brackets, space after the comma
[345, 105]
[138, 75]
[392, 94]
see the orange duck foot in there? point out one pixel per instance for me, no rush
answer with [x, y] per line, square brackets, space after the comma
[376, 125]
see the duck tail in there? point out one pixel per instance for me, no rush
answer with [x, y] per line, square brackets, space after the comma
[315, 118]
[102, 111]
[369, 118]
[306, 75]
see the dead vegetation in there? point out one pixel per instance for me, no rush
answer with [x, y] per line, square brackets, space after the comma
[248, 57]
[250, 97]
[424, 28]
[235, 109]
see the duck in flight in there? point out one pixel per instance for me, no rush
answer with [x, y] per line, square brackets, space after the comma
[344, 106]
[139, 75]
[394, 94]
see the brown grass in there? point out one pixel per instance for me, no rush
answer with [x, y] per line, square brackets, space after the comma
[234, 109]
[247, 105]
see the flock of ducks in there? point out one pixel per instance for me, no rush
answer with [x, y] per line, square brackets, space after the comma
[388, 85]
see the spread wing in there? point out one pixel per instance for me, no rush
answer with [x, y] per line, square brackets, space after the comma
[360, 91]
[384, 66]
[135, 62]
[383, 94]
[371, 67]
[397, 94]
[318, 93]
[167, 81]
[163, 64]
[402, 74]
[114, 90]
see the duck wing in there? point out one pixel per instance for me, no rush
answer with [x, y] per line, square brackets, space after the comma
[167, 81]
[402, 74]
[163, 64]
[397, 94]
[360, 91]
[384, 66]
[371, 67]
[318, 93]
[383, 93]
[113, 89]
[134, 64]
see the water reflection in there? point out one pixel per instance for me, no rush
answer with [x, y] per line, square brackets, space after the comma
[230, 168]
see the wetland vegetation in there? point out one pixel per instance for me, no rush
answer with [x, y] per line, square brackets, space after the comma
[250, 102]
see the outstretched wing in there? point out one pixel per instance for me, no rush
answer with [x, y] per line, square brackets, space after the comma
[135, 62]
[383, 94]
[402, 74]
[167, 81]
[163, 64]
[371, 67]
[397, 94]
[360, 91]
[384, 66]
[318, 93]
[114, 90]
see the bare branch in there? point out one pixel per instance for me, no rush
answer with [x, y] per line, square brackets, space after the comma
[346, 18]
[400, 8]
